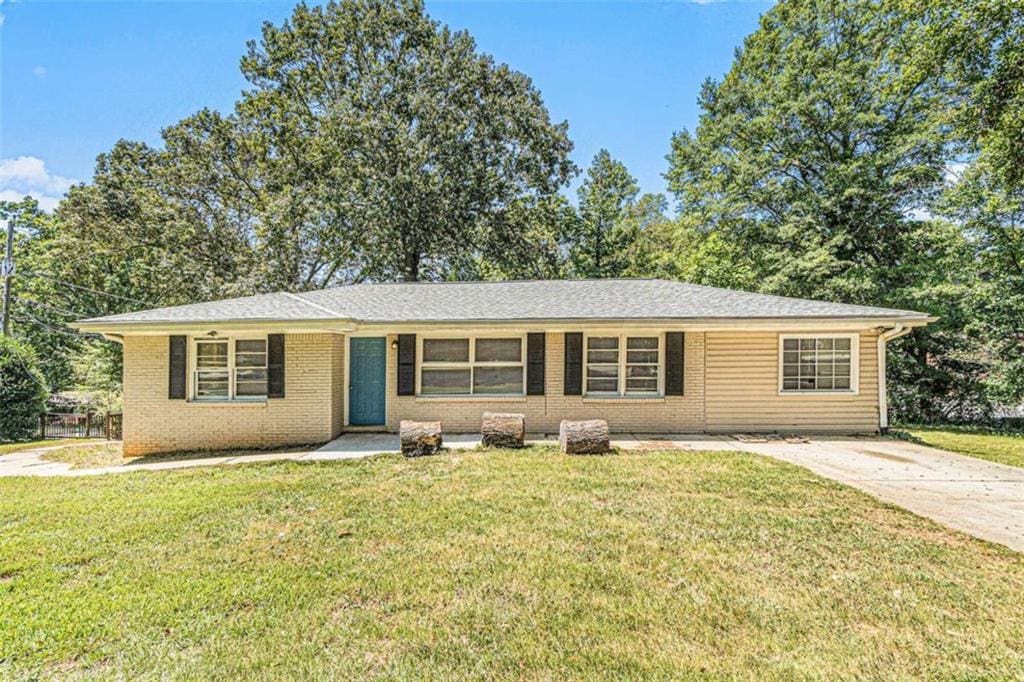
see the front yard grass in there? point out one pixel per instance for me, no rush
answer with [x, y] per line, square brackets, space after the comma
[8, 448]
[995, 447]
[108, 454]
[492, 564]
[87, 456]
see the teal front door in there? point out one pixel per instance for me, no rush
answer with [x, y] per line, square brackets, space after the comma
[367, 376]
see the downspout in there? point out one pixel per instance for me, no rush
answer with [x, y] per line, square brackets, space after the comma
[884, 338]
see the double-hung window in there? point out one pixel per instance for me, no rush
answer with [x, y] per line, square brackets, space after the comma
[623, 365]
[230, 369]
[818, 364]
[472, 366]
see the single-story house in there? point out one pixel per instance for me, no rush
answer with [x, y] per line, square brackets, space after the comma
[646, 355]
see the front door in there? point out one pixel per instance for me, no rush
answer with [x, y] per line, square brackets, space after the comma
[367, 376]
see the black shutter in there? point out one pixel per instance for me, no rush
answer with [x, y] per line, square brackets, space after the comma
[176, 379]
[573, 363]
[406, 364]
[535, 363]
[275, 365]
[674, 363]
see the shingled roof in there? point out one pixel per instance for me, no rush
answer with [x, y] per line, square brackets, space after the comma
[536, 300]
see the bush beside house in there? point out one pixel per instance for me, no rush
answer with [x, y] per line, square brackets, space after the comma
[23, 391]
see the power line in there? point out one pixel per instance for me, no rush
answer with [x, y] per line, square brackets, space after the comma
[94, 291]
[56, 330]
[28, 371]
[63, 311]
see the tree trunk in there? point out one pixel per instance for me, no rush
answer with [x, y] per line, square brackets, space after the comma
[503, 430]
[412, 265]
[419, 438]
[584, 438]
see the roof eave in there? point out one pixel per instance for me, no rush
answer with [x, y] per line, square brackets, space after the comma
[342, 325]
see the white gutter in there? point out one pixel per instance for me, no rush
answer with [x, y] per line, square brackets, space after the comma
[884, 338]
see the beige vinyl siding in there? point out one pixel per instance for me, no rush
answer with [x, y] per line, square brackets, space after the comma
[544, 413]
[742, 389]
[310, 412]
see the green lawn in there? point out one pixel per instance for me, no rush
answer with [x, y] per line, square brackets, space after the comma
[1003, 448]
[7, 448]
[87, 456]
[495, 564]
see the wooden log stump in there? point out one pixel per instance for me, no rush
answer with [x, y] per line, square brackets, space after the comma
[584, 438]
[419, 438]
[503, 430]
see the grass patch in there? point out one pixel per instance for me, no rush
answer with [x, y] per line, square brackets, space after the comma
[523, 564]
[110, 454]
[87, 456]
[1005, 448]
[8, 448]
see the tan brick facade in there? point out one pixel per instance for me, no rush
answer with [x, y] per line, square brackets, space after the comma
[310, 412]
[544, 412]
[731, 384]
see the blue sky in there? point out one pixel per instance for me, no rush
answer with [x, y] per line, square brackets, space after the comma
[77, 76]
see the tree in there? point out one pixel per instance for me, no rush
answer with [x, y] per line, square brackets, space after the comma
[390, 133]
[820, 168]
[815, 149]
[373, 144]
[611, 219]
[22, 391]
[40, 307]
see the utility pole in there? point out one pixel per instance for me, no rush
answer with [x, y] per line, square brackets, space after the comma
[7, 271]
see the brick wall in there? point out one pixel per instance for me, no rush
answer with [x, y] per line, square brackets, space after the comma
[738, 393]
[310, 412]
[543, 413]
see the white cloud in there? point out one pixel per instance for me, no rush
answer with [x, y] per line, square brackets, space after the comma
[39, 71]
[28, 175]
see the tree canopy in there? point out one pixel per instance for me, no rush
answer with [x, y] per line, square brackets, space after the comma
[867, 151]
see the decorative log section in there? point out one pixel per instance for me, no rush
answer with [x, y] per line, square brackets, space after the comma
[419, 438]
[584, 438]
[503, 430]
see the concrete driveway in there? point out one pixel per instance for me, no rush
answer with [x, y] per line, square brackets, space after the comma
[972, 495]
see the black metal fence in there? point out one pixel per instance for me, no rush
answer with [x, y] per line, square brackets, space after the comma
[88, 425]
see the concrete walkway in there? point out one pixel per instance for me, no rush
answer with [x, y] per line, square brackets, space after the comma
[347, 446]
[981, 498]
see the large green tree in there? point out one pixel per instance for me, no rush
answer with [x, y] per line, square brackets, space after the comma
[373, 143]
[814, 151]
[611, 219]
[819, 162]
[394, 137]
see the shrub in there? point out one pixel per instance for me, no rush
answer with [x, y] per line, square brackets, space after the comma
[23, 391]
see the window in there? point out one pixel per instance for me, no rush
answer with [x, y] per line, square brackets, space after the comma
[212, 376]
[637, 371]
[472, 366]
[251, 368]
[818, 364]
[223, 375]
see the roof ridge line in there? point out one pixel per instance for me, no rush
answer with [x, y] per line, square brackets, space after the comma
[323, 309]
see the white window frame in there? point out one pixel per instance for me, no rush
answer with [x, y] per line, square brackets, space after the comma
[622, 392]
[470, 365]
[231, 368]
[854, 365]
